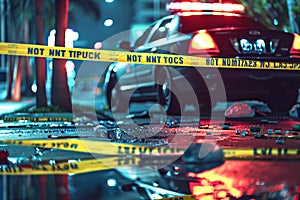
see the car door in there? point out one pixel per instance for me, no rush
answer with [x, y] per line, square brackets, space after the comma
[126, 71]
[145, 73]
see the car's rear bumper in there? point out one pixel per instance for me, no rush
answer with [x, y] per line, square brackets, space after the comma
[244, 83]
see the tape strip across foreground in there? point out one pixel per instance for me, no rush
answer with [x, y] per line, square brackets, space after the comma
[98, 147]
[55, 167]
[66, 167]
[116, 155]
[140, 58]
[121, 149]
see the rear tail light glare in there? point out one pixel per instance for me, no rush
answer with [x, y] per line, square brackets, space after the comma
[295, 50]
[203, 43]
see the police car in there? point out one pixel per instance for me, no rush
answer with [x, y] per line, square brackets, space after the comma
[213, 30]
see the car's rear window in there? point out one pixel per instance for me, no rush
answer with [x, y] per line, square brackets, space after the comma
[193, 23]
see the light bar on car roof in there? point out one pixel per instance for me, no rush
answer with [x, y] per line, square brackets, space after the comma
[199, 6]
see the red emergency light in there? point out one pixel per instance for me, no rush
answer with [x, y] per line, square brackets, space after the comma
[295, 50]
[199, 6]
[202, 42]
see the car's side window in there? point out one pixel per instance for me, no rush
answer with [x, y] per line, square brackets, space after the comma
[161, 31]
[140, 41]
[173, 26]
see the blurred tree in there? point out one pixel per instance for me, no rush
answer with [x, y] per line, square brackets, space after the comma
[40, 75]
[18, 24]
[296, 10]
[273, 14]
[60, 94]
[24, 21]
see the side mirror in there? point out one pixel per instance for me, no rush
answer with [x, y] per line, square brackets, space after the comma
[125, 45]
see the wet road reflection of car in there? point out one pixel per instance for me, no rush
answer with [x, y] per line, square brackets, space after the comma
[257, 176]
[207, 30]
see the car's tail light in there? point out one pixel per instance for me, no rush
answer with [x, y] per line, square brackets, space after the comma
[295, 50]
[203, 43]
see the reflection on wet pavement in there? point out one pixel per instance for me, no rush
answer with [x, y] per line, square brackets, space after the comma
[261, 174]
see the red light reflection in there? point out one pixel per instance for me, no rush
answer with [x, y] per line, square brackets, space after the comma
[251, 179]
[215, 186]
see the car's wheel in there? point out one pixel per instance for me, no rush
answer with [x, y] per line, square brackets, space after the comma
[165, 96]
[283, 99]
[114, 96]
[205, 105]
[206, 92]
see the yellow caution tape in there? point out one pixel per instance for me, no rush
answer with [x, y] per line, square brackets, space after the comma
[39, 119]
[140, 58]
[69, 167]
[99, 147]
[91, 165]
[121, 155]
[246, 152]
[84, 166]
[112, 148]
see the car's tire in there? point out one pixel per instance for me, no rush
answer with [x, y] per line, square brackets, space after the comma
[165, 96]
[114, 96]
[206, 105]
[282, 99]
[206, 98]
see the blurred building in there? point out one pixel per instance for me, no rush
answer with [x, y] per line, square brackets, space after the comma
[116, 16]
